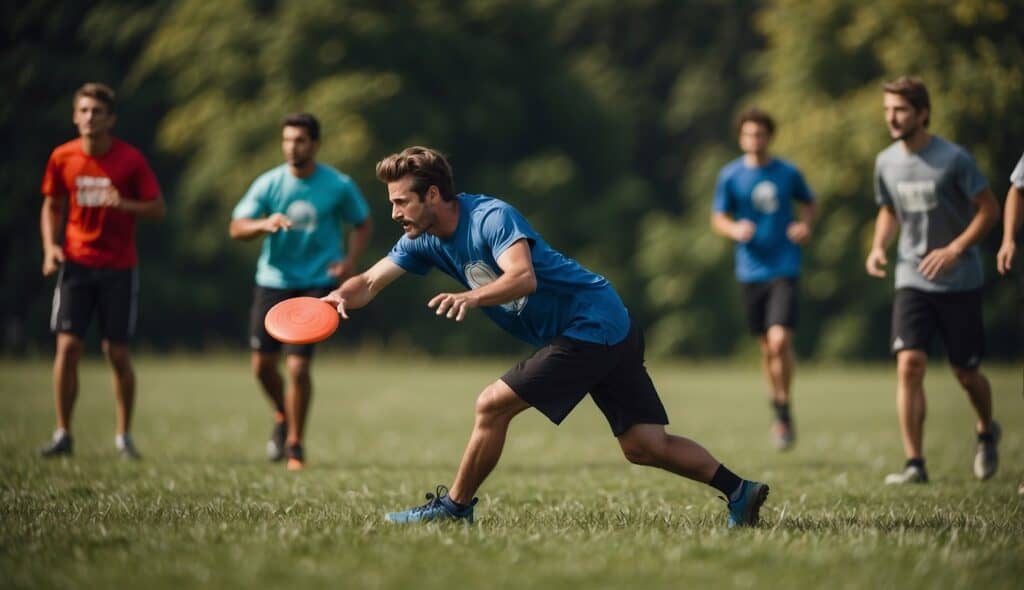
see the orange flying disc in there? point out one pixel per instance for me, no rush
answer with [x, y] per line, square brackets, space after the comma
[301, 320]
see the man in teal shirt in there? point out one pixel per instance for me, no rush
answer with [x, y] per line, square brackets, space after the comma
[298, 208]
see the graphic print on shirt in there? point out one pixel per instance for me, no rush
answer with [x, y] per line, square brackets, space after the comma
[917, 196]
[303, 216]
[765, 197]
[479, 274]
[90, 190]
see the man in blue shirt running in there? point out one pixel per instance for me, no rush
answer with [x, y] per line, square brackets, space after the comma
[587, 342]
[753, 206]
[298, 209]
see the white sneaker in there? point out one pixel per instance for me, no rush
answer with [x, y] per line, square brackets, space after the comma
[986, 459]
[911, 474]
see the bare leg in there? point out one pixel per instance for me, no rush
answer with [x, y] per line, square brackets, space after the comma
[495, 408]
[910, 400]
[124, 382]
[979, 392]
[300, 391]
[264, 367]
[777, 348]
[65, 377]
[649, 444]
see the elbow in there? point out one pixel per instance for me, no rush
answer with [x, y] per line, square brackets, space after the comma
[529, 283]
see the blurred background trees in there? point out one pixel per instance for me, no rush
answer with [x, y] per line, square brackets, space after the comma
[604, 122]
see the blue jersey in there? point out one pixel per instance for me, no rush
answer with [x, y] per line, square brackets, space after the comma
[569, 300]
[298, 258]
[763, 195]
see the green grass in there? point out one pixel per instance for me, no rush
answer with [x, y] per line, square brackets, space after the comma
[562, 510]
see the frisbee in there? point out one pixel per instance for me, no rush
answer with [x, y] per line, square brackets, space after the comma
[301, 320]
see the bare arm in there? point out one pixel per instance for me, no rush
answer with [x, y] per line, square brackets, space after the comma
[740, 231]
[886, 227]
[357, 242]
[247, 229]
[50, 217]
[940, 259]
[1012, 218]
[152, 209]
[799, 232]
[517, 280]
[360, 290]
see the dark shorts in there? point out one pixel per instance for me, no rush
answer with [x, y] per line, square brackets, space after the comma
[561, 374]
[770, 303]
[917, 315]
[263, 298]
[111, 293]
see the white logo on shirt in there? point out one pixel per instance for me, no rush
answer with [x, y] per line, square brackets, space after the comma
[303, 216]
[479, 274]
[765, 196]
[90, 190]
[917, 196]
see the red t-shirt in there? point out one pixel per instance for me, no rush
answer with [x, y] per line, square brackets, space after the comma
[99, 236]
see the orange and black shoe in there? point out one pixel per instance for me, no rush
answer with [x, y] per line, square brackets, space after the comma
[296, 459]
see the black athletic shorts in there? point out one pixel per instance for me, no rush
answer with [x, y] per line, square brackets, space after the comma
[561, 373]
[81, 291]
[263, 298]
[770, 303]
[916, 315]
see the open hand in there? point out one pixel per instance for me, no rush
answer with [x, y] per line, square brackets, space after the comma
[938, 261]
[335, 299]
[453, 305]
[1004, 259]
[876, 262]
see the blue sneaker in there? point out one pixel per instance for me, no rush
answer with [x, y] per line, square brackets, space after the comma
[438, 507]
[744, 510]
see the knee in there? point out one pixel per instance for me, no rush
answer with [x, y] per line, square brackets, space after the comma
[910, 366]
[298, 368]
[118, 356]
[645, 450]
[69, 348]
[489, 407]
[777, 341]
[968, 378]
[264, 366]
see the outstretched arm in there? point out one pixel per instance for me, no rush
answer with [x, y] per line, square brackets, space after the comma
[1012, 218]
[360, 290]
[940, 259]
[886, 226]
[517, 280]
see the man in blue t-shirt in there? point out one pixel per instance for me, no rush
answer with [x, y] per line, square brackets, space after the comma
[754, 205]
[298, 209]
[586, 339]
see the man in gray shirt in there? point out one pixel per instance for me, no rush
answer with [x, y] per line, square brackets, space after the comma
[932, 193]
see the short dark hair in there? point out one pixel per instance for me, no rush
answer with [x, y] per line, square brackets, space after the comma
[913, 90]
[427, 166]
[756, 115]
[304, 120]
[98, 91]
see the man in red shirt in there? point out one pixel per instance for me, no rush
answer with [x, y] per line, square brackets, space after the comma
[103, 184]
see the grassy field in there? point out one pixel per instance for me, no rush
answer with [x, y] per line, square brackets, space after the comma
[562, 510]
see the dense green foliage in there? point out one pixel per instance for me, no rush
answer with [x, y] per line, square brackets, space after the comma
[605, 122]
[562, 510]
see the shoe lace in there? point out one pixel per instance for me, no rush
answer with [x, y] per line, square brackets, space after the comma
[433, 500]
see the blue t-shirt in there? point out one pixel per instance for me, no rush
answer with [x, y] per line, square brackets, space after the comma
[763, 195]
[298, 258]
[569, 301]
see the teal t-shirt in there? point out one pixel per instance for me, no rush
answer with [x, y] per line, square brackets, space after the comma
[298, 258]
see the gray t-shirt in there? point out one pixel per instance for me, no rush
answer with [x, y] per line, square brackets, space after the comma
[932, 192]
[1017, 176]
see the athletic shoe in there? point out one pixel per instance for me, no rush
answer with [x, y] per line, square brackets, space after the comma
[438, 507]
[745, 510]
[59, 445]
[275, 446]
[910, 474]
[126, 447]
[296, 458]
[986, 460]
[783, 435]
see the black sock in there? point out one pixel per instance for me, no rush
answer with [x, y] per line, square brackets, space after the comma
[781, 411]
[725, 481]
[986, 437]
[919, 463]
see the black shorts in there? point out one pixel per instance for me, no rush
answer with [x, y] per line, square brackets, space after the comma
[112, 293]
[916, 315]
[561, 373]
[263, 298]
[770, 303]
